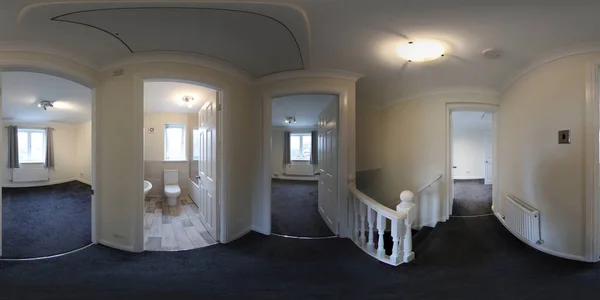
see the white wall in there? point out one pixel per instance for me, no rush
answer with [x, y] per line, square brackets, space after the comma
[469, 150]
[277, 143]
[532, 165]
[69, 152]
[83, 152]
[154, 142]
[368, 137]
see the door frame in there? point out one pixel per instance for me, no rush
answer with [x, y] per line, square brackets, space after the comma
[342, 157]
[478, 107]
[84, 80]
[139, 80]
[591, 162]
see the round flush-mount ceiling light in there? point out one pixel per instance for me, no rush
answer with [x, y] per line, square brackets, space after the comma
[420, 50]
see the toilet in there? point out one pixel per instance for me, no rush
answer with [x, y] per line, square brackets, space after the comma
[172, 189]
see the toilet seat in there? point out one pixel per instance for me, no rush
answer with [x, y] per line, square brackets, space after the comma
[172, 190]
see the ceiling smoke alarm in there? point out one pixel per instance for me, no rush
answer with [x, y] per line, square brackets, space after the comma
[491, 53]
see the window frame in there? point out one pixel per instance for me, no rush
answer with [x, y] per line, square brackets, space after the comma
[302, 135]
[29, 131]
[165, 139]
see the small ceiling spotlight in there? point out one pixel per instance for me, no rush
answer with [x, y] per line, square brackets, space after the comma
[45, 104]
[420, 50]
[188, 100]
[290, 120]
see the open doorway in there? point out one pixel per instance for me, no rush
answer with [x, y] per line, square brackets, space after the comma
[304, 165]
[47, 174]
[472, 163]
[181, 169]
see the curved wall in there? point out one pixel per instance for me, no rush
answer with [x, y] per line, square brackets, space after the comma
[532, 165]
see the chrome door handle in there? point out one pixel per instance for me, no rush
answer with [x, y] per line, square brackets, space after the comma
[198, 177]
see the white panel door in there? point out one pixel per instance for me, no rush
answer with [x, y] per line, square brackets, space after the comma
[488, 157]
[207, 166]
[328, 166]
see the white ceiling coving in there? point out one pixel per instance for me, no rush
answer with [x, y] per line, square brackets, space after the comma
[305, 108]
[352, 35]
[22, 91]
[166, 96]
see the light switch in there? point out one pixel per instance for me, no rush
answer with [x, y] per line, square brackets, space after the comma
[564, 137]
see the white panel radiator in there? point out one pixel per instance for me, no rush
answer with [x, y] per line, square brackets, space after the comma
[299, 169]
[30, 174]
[523, 219]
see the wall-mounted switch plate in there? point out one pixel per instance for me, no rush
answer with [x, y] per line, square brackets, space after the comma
[564, 137]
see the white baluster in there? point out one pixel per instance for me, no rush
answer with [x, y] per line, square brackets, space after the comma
[395, 257]
[381, 230]
[363, 231]
[356, 219]
[406, 205]
[371, 215]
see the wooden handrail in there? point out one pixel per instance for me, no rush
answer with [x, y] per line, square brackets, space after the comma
[382, 209]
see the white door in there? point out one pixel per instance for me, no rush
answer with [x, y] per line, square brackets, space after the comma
[452, 166]
[207, 166]
[328, 165]
[488, 157]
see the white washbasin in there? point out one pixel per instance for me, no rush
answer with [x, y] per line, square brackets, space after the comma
[147, 187]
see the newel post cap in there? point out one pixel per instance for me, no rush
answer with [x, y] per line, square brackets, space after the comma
[406, 196]
[351, 178]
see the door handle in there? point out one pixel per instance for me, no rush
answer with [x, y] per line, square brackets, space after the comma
[198, 177]
[454, 167]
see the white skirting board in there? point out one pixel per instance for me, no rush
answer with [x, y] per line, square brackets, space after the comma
[39, 183]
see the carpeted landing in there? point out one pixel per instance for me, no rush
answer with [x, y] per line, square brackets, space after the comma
[472, 198]
[464, 258]
[294, 209]
[46, 220]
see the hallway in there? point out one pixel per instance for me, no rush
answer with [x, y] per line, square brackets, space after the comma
[464, 258]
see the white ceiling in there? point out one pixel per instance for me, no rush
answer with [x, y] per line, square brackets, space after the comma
[166, 96]
[305, 108]
[352, 35]
[22, 91]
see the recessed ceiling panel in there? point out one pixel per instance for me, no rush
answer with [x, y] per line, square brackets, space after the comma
[257, 43]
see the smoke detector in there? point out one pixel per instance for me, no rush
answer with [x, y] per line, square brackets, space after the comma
[491, 53]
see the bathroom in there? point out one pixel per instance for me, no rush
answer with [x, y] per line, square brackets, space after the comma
[171, 155]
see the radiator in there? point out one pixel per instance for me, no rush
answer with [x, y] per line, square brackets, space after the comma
[523, 219]
[30, 174]
[299, 169]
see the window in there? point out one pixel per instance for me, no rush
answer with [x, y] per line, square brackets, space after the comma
[32, 145]
[300, 144]
[174, 142]
[196, 144]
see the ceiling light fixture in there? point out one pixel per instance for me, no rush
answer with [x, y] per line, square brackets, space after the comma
[420, 50]
[290, 120]
[45, 104]
[188, 100]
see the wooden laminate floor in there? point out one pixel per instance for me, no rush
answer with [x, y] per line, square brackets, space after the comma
[173, 228]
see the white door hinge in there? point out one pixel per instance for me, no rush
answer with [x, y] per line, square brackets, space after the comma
[219, 107]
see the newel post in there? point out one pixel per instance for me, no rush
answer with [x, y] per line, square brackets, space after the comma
[406, 205]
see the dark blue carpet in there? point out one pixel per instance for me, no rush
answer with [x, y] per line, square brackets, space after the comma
[466, 258]
[47, 220]
[294, 209]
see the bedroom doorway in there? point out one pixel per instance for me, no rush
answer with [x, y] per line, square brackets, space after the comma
[304, 165]
[48, 167]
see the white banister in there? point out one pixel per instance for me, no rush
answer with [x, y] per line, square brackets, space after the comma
[406, 204]
[371, 215]
[367, 211]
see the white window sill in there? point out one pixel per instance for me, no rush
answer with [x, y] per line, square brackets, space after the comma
[175, 160]
[31, 162]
